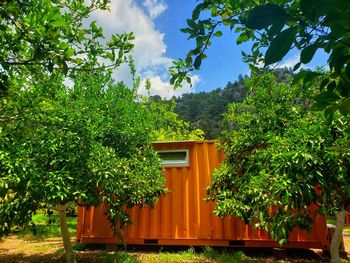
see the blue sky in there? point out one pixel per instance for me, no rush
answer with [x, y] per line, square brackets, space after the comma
[156, 25]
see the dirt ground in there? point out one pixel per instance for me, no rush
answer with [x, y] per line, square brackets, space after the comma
[14, 249]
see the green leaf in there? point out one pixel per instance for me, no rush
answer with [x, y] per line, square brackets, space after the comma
[344, 106]
[265, 15]
[188, 60]
[187, 30]
[201, 27]
[324, 83]
[329, 113]
[327, 97]
[282, 242]
[69, 52]
[191, 23]
[58, 23]
[64, 68]
[196, 11]
[308, 52]
[308, 8]
[197, 62]
[310, 76]
[280, 46]
[50, 67]
[296, 66]
[63, 46]
[218, 34]
[93, 26]
[242, 38]
[275, 29]
[331, 86]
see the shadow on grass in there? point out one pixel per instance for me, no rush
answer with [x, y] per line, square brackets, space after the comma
[198, 254]
[14, 258]
[46, 227]
[81, 257]
[219, 254]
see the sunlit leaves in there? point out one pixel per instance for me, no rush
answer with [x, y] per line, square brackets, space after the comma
[278, 151]
[55, 39]
[88, 144]
[275, 28]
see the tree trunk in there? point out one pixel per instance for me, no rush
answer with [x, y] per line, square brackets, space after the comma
[337, 236]
[65, 234]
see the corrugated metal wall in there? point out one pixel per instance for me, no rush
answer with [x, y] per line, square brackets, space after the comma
[182, 217]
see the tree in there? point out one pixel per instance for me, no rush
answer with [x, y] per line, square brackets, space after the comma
[49, 36]
[168, 124]
[280, 156]
[90, 143]
[275, 27]
[204, 110]
[86, 145]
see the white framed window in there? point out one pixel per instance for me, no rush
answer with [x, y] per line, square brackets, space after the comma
[174, 157]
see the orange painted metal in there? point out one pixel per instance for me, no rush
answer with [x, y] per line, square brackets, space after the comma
[347, 218]
[183, 217]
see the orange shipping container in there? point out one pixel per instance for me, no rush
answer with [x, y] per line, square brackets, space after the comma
[183, 217]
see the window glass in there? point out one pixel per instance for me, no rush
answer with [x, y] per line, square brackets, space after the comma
[174, 157]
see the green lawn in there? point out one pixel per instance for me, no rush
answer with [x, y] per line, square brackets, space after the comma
[207, 255]
[44, 226]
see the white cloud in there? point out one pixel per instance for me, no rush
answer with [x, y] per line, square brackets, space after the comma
[164, 89]
[149, 51]
[289, 62]
[154, 7]
[126, 16]
[292, 61]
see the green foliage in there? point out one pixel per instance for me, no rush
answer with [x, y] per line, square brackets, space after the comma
[168, 126]
[275, 27]
[79, 247]
[224, 256]
[181, 256]
[46, 226]
[265, 15]
[49, 36]
[279, 157]
[208, 254]
[89, 144]
[119, 257]
[205, 110]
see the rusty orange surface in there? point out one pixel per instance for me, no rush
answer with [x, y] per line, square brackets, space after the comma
[183, 217]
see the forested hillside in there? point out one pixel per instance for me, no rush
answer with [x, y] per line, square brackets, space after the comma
[204, 109]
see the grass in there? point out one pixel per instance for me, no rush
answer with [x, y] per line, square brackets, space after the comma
[208, 254]
[44, 226]
[119, 257]
[224, 256]
[182, 256]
